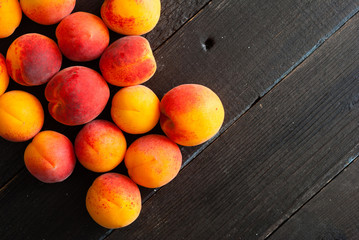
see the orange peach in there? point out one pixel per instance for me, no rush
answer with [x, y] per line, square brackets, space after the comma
[135, 109]
[131, 17]
[10, 17]
[21, 116]
[32, 59]
[47, 12]
[100, 146]
[128, 61]
[4, 76]
[76, 95]
[82, 36]
[113, 200]
[50, 157]
[153, 161]
[191, 114]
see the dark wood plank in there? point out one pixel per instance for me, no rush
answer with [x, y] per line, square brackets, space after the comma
[272, 160]
[174, 14]
[237, 73]
[331, 214]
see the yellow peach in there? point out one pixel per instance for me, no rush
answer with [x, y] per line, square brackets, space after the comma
[153, 161]
[47, 12]
[113, 200]
[191, 114]
[10, 17]
[21, 116]
[131, 17]
[4, 76]
[135, 109]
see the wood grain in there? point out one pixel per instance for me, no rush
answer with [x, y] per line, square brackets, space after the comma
[240, 49]
[331, 214]
[272, 160]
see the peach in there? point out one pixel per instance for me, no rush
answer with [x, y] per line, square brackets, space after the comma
[128, 61]
[21, 116]
[191, 114]
[76, 95]
[82, 36]
[135, 109]
[131, 17]
[100, 146]
[32, 59]
[10, 17]
[50, 157]
[47, 12]
[4, 76]
[113, 200]
[153, 161]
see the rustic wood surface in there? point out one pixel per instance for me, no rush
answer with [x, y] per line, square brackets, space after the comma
[291, 124]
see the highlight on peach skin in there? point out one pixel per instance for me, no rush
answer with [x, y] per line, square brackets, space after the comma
[100, 146]
[50, 157]
[131, 17]
[4, 76]
[76, 95]
[32, 59]
[82, 36]
[135, 66]
[191, 114]
[47, 12]
[10, 17]
[113, 201]
[153, 161]
[21, 116]
[135, 109]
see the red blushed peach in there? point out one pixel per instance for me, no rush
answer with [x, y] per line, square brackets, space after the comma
[135, 109]
[153, 161]
[113, 200]
[10, 17]
[131, 17]
[47, 12]
[128, 61]
[82, 36]
[21, 116]
[191, 114]
[50, 157]
[100, 146]
[32, 59]
[76, 95]
[4, 76]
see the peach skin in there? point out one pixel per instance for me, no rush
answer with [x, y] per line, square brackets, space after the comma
[82, 36]
[131, 17]
[113, 200]
[47, 12]
[191, 114]
[50, 157]
[10, 17]
[128, 61]
[153, 161]
[32, 59]
[21, 116]
[100, 146]
[4, 76]
[76, 95]
[135, 109]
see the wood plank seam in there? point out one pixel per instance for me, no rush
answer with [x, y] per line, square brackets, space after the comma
[352, 156]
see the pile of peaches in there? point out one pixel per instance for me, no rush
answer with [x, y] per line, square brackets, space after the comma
[189, 114]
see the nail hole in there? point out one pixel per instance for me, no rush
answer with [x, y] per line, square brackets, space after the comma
[208, 44]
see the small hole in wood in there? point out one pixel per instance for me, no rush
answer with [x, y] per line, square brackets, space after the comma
[208, 44]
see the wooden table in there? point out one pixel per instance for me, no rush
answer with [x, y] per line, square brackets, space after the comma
[283, 166]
